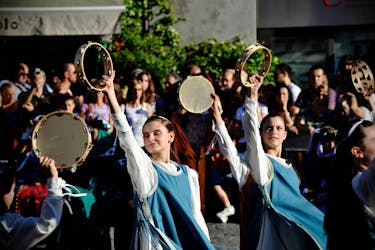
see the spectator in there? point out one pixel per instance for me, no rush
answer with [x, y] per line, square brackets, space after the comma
[317, 77]
[137, 110]
[68, 78]
[285, 108]
[168, 103]
[22, 82]
[10, 121]
[317, 114]
[148, 88]
[283, 74]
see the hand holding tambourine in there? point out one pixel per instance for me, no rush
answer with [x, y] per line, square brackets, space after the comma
[86, 59]
[195, 94]
[240, 69]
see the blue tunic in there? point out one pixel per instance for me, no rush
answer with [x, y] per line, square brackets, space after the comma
[171, 209]
[283, 196]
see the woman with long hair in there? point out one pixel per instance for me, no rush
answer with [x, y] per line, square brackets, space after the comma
[169, 191]
[137, 110]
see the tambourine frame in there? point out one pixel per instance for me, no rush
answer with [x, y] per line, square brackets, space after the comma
[184, 100]
[87, 145]
[241, 74]
[79, 62]
[365, 81]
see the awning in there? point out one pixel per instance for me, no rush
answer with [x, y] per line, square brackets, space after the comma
[63, 17]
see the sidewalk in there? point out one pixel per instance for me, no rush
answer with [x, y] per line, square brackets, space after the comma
[225, 236]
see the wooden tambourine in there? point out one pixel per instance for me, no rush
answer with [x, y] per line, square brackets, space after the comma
[241, 74]
[80, 63]
[62, 136]
[362, 78]
[195, 94]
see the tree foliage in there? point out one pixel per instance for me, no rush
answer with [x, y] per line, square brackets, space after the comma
[149, 41]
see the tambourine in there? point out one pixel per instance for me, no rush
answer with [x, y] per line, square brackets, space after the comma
[362, 78]
[62, 136]
[241, 74]
[80, 62]
[195, 94]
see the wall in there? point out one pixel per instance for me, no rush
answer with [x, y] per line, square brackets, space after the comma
[222, 19]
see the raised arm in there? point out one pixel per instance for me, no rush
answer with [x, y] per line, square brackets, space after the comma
[227, 148]
[255, 156]
[28, 231]
[140, 168]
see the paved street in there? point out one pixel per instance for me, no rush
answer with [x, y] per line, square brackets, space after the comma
[225, 236]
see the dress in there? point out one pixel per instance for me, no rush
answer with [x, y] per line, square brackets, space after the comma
[18, 232]
[283, 224]
[150, 180]
[136, 118]
[100, 112]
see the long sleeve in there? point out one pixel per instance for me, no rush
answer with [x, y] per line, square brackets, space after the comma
[227, 148]
[20, 232]
[196, 200]
[141, 171]
[255, 155]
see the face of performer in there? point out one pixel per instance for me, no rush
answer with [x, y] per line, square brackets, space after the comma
[273, 132]
[366, 154]
[157, 137]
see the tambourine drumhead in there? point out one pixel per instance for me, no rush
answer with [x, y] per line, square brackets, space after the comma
[62, 136]
[362, 78]
[86, 62]
[195, 94]
[241, 70]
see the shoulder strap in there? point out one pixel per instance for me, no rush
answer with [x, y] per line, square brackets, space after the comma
[158, 239]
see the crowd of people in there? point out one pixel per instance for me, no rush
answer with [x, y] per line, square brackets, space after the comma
[140, 184]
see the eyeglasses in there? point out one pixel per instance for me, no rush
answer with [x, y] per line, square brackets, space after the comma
[23, 74]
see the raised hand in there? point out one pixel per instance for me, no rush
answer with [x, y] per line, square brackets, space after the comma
[255, 82]
[48, 167]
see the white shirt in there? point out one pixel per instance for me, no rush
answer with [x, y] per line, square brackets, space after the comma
[295, 90]
[18, 232]
[256, 163]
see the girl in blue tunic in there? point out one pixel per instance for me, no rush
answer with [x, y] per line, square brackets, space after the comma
[171, 190]
[286, 220]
